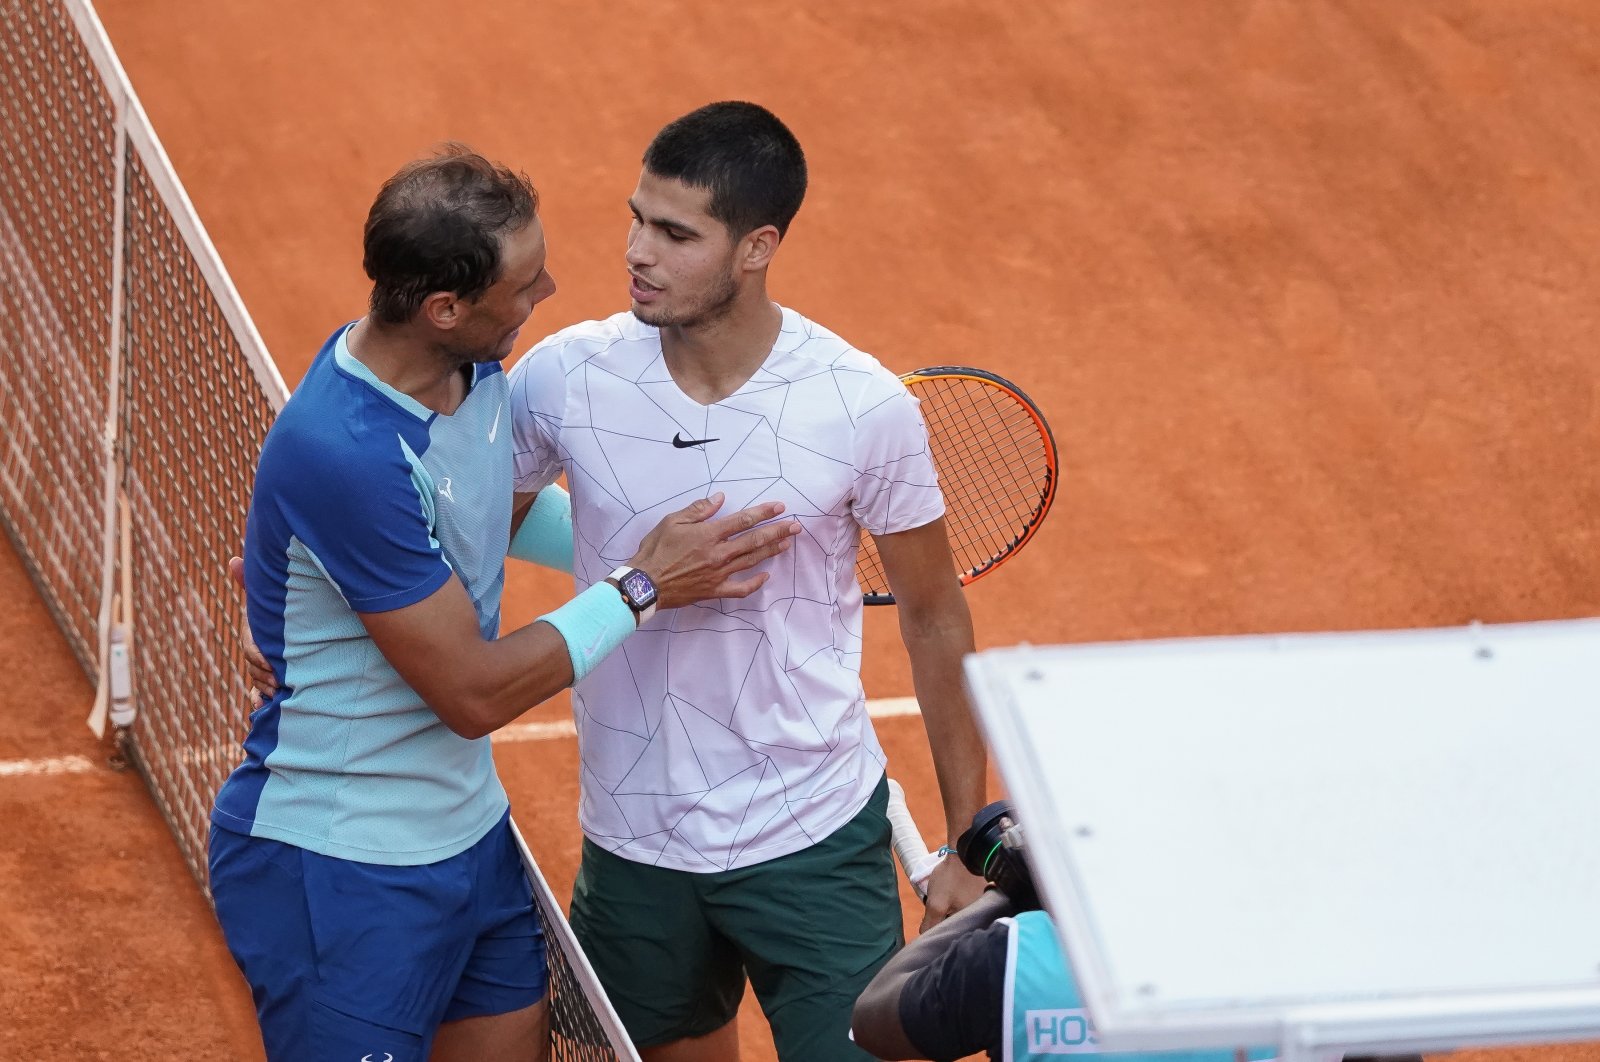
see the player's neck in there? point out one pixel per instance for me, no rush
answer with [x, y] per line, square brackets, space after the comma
[712, 360]
[411, 367]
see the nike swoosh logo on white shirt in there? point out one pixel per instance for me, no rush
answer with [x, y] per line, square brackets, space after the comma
[494, 429]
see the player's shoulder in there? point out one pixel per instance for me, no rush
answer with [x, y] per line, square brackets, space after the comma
[812, 348]
[619, 342]
[335, 426]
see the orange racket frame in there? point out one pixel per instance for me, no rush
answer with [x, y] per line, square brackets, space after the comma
[989, 517]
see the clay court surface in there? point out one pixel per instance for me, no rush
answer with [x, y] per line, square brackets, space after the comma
[1305, 287]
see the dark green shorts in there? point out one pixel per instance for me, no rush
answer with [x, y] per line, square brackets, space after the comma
[810, 929]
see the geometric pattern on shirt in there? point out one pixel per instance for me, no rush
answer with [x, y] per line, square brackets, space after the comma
[733, 731]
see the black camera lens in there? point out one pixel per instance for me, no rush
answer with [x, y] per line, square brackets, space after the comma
[980, 845]
[984, 851]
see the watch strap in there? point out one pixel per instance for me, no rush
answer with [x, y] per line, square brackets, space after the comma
[621, 572]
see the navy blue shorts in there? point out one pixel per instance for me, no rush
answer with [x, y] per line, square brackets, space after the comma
[350, 959]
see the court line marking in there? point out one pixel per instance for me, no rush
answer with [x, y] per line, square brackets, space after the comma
[557, 729]
[47, 765]
[553, 730]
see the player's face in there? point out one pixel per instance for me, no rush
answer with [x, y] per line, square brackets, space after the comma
[681, 260]
[497, 316]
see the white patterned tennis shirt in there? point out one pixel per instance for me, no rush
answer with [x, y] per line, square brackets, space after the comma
[735, 731]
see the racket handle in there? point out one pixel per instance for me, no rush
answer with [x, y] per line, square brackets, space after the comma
[912, 854]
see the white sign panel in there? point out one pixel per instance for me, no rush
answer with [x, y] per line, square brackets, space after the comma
[1319, 841]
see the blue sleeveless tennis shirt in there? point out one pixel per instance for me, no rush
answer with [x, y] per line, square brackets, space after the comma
[367, 501]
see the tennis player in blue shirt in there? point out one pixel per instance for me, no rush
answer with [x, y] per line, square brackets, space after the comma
[361, 857]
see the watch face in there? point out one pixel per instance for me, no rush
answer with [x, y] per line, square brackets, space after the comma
[640, 590]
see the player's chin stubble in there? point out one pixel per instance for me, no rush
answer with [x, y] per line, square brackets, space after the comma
[703, 311]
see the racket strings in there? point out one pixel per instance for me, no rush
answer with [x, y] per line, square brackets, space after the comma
[993, 462]
[996, 470]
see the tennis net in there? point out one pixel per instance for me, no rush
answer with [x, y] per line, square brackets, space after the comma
[134, 396]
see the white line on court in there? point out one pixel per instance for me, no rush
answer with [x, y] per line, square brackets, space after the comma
[884, 708]
[49, 765]
[555, 730]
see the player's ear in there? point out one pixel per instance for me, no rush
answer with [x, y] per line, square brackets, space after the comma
[442, 310]
[758, 247]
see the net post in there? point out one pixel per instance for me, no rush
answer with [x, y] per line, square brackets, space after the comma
[111, 434]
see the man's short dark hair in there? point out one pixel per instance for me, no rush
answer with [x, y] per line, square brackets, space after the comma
[743, 155]
[437, 225]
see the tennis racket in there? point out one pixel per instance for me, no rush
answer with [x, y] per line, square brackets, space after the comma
[997, 467]
[913, 855]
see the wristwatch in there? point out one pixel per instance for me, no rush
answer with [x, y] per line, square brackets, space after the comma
[637, 590]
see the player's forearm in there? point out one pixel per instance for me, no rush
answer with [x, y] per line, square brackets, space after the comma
[511, 674]
[875, 1021]
[528, 663]
[928, 947]
[477, 685]
[936, 643]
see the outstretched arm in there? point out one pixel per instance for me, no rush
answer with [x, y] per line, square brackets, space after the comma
[478, 685]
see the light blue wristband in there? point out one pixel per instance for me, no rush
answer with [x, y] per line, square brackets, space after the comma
[545, 536]
[593, 623]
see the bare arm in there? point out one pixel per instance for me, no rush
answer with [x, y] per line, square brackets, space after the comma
[937, 630]
[474, 685]
[875, 1022]
[259, 672]
[477, 686]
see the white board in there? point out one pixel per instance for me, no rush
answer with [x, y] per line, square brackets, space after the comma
[1321, 841]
